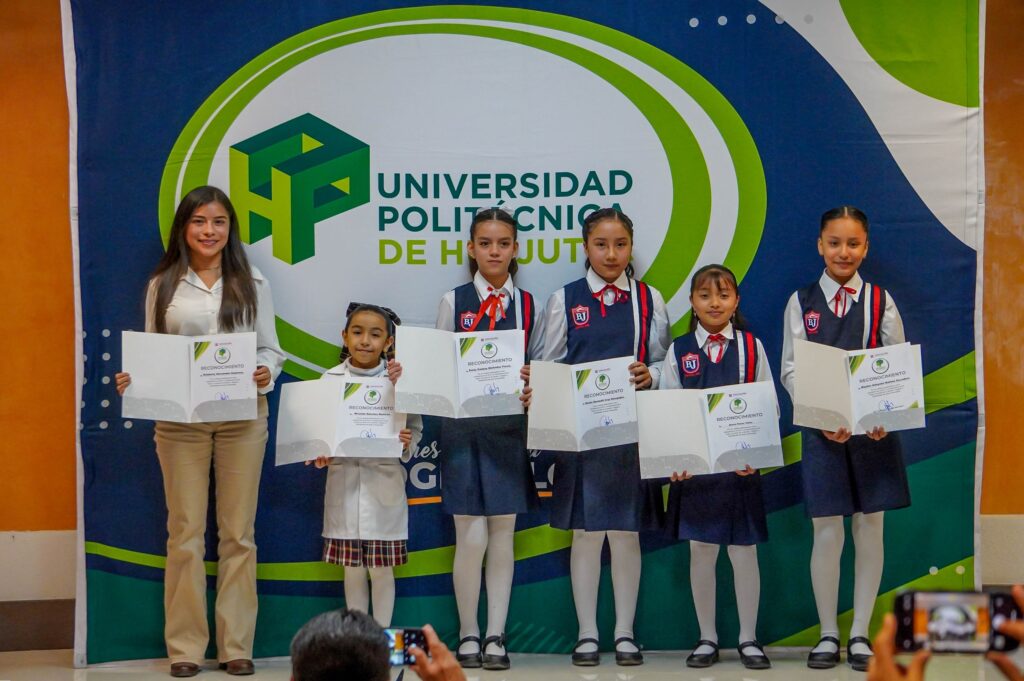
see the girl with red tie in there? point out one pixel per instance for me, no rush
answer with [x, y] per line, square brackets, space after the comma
[486, 478]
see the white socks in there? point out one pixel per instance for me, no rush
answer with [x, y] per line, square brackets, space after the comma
[585, 569]
[357, 591]
[747, 578]
[870, 554]
[474, 537]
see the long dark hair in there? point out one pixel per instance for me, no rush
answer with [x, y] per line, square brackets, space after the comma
[494, 215]
[238, 299]
[391, 321]
[843, 212]
[722, 277]
[608, 214]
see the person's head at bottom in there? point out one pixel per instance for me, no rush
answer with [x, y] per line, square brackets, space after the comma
[340, 644]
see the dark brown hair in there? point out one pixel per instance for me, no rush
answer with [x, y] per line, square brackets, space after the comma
[238, 300]
[391, 321]
[494, 215]
[722, 277]
[843, 212]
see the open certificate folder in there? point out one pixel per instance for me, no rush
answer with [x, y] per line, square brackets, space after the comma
[858, 389]
[714, 430]
[189, 379]
[351, 418]
[459, 375]
[577, 407]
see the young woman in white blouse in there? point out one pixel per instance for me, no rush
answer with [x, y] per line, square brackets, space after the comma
[205, 285]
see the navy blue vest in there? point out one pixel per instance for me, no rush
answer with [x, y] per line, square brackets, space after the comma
[847, 333]
[697, 371]
[467, 308]
[591, 337]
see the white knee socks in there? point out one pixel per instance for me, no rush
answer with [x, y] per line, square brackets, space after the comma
[747, 578]
[870, 557]
[476, 536]
[625, 553]
[585, 574]
[357, 591]
[702, 583]
[828, 548]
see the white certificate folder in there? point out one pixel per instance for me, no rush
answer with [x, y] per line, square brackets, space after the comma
[579, 407]
[459, 375]
[858, 389]
[351, 418]
[189, 379]
[715, 430]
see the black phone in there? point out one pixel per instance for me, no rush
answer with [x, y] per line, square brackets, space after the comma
[954, 621]
[401, 640]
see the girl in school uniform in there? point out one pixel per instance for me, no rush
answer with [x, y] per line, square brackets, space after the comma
[486, 478]
[204, 284]
[845, 475]
[599, 494]
[720, 508]
[366, 513]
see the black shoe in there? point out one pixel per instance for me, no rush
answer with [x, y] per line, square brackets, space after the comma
[756, 661]
[858, 662]
[495, 662]
[469, 660]
[702, 660]
[586, 659]
[824, 660]
[627, 659]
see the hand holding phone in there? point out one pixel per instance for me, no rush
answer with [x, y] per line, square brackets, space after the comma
[402, 640]
[954, 621]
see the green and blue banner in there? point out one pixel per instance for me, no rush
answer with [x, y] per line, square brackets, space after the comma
[358, 139]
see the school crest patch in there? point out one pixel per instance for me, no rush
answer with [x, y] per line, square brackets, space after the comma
[580, 315]
[812, 321]
[690, 363]
[466, 320]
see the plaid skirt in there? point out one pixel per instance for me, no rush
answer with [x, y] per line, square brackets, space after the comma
[369, 553]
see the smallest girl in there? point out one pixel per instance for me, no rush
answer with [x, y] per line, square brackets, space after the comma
[720, 508]
[366, 513]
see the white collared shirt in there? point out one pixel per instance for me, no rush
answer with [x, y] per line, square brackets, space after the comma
[670, 368]
[365, 497]
[194, 311]
[890, 328]
[556, 328]
[446, 310]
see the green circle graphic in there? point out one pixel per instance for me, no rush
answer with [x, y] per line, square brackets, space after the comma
[191, 157]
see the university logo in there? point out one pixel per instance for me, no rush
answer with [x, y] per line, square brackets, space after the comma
[581, 315]
[466, 320]
[288, 178]
[371, 397]
[690, 363]
[811, 321]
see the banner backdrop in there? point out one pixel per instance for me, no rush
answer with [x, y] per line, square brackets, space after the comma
[357, 140]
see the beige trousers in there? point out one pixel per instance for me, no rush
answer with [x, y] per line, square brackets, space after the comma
[186, 451]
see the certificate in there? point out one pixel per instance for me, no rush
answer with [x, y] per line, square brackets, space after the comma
[355, 417]
[859, 389]
[580, 407]
[189, 379]
[715, 430]
[459, 375]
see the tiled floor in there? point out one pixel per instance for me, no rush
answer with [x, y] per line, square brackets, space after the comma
[789, 666]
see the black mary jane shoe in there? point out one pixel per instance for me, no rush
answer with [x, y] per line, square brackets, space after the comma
[495, 662]
[756, 661]
[628, 659]
[858, 662]
[702, 660]
[469, 660]
[586, 659]
[824, 660]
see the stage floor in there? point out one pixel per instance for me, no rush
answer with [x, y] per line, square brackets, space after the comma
[789, 666]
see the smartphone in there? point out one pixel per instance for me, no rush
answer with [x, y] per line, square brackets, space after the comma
[954, 621]
[401, 641]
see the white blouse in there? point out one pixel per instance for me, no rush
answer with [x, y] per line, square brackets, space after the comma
[194, 310]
